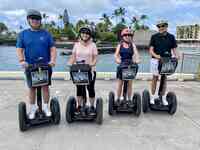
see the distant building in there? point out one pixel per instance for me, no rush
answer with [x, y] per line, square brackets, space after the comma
[142, 37]
[188, 32]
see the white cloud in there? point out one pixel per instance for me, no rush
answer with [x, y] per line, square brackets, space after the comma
[13, 11]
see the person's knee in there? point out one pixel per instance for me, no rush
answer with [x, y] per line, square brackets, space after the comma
[32, 90]
[45, 88]
[120, 82]
[155, 79]
[130, 83]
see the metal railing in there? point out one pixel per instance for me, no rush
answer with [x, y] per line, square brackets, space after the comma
[189, 63]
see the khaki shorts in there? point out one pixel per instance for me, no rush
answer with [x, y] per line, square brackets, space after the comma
[154, 66]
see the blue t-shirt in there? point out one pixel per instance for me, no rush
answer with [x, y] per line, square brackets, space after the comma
[36, 44]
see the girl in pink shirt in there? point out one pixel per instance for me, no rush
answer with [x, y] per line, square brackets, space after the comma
[85, 50]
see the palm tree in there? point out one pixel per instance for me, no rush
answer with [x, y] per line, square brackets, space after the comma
[86, 22]
[60, 17]
[44, 16]
[107, 22]
[123, 20]
[116, 15]
[119, 13]
[106, 19]
[122, 12]
[79, 24]
[143, 18]
[101, 27]
[3, 27]
[53, 24]
[66, 17]
[138, 22]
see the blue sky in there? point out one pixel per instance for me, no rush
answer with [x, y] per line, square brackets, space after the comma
[177, 12]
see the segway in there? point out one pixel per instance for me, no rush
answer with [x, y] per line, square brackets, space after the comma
[128, 72]
[81, 74]
[39, 77]
[167, 66]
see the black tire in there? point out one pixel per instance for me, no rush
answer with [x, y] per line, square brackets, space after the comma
[99, 111]
[55, 109]
[145, 101]
[70, 109]
[172, 101]
[137, 101]
[22, 116]
[111, 101]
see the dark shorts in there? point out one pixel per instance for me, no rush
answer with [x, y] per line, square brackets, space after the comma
[119, 73]
[28, 77]
[91, 91]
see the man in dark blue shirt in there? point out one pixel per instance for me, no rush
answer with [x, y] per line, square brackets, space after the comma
[32, 44]
[161, 43]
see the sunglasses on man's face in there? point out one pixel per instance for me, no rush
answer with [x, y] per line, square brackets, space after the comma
[130, 35]
[35, 18]
[161, 26]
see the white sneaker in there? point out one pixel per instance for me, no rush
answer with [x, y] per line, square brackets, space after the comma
[46, 110]
[121, 98]
[152, 99]
[33, 109]
[164, 100]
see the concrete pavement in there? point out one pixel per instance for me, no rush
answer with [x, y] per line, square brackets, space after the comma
[152, 131]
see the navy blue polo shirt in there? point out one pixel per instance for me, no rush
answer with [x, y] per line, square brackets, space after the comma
[163, 43]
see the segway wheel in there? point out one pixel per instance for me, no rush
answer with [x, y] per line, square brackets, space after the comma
[172, 101]
[70, 109]
[111, 100]
[22, 116]
[145, 100]
[55, 110]
[99, 111]
[137, 101]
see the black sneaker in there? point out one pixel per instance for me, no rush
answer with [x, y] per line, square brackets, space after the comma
[118, 102]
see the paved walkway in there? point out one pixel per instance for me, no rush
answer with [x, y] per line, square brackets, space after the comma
[152, 131]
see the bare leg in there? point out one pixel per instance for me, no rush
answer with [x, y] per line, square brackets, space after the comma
[130, 83]
[162, 93]
[154, 84]
[119, 88]
[92, 99]
[32, 95]
[46, 95]
[79, 100]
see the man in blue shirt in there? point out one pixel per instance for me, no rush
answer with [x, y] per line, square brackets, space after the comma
[32, 44]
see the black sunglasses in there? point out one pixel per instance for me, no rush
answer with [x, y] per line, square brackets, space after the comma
[161, 26]
[35, 18]
[130, 35]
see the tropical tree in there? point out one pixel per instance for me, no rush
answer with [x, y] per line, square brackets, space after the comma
[86, 22]
[119, 14]
[107, 23]
[45, 16]
[79, 24]
[60, 18]
[117, 29]
[66, 17]
[3, 27]
[137, 23]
